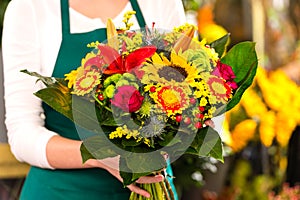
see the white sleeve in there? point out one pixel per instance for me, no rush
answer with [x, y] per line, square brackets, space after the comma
[21, 50]
[166, 14]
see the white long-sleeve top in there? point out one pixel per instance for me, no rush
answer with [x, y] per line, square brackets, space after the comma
[31, 40]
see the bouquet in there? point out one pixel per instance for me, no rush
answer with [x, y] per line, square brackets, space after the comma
[146, 94]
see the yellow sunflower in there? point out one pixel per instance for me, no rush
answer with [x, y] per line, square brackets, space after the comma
[174, 71]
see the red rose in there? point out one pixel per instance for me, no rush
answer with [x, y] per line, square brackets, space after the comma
[127, 98]
[226, 72]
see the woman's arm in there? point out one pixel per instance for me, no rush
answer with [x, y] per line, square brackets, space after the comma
[65, 153]
[21, 47]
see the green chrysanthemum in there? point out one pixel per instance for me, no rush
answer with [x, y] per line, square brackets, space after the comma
[146, 107]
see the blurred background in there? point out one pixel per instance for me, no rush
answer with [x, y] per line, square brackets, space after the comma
[261, 135]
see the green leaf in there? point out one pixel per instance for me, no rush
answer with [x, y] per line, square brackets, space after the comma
[98, 147]
[56, 94]
[134, 166]
[243, 60]
[105, 117]
[85, 114]
[89, 116]
[207, 143]
[59, 101]
[85, 153]
[221, 44]
[49, 81]
[130, 143]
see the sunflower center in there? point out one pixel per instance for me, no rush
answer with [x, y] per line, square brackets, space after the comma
[174, 72]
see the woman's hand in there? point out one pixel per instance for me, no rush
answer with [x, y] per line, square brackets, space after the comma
[112, 166]
[210, 123]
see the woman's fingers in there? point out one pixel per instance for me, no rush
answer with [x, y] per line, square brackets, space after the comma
[138, 190]
[150, 179]
[145, 179]
[210, 123]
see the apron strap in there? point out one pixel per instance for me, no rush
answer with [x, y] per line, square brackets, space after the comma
[139, 14]
[65, 16]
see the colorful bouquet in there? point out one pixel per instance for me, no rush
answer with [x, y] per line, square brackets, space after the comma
[147, 93]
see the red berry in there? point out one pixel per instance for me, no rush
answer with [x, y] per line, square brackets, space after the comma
[198, 125]
[178, 118]
[201, 108]
[192, 100]
[187, 120]
[199, 115]
[153, 89]
[100, 97]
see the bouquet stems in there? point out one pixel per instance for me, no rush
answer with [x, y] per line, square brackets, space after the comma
[158, 191]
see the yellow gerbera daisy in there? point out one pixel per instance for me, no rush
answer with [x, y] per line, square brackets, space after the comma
[219, 89]
[86, 83]
[72, 76]
[173, 100]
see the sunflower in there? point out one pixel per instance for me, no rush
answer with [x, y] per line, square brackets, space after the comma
[86, 83]
[174, 71]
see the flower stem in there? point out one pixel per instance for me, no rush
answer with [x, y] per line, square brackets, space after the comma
[169, 189]
[162, 184]
[96, 99]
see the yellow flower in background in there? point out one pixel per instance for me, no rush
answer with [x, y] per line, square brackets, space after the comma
[242, 133]
[251, 98]
[273, 103]
[207, 26]
[284, 127]
[267, 128]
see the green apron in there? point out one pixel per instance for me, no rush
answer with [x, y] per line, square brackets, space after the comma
[75, 184]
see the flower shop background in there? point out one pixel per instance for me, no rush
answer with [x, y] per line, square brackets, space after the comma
[12, 173]
[261, 136]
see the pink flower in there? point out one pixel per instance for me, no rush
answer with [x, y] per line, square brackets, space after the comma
[226, 72]
[127, 98]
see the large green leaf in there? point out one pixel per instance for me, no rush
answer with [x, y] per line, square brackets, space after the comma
[220, 45]
[98, 147]
[207, 143]
[127, 175]
[56, 94]
[243, 60]
[59, 101]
